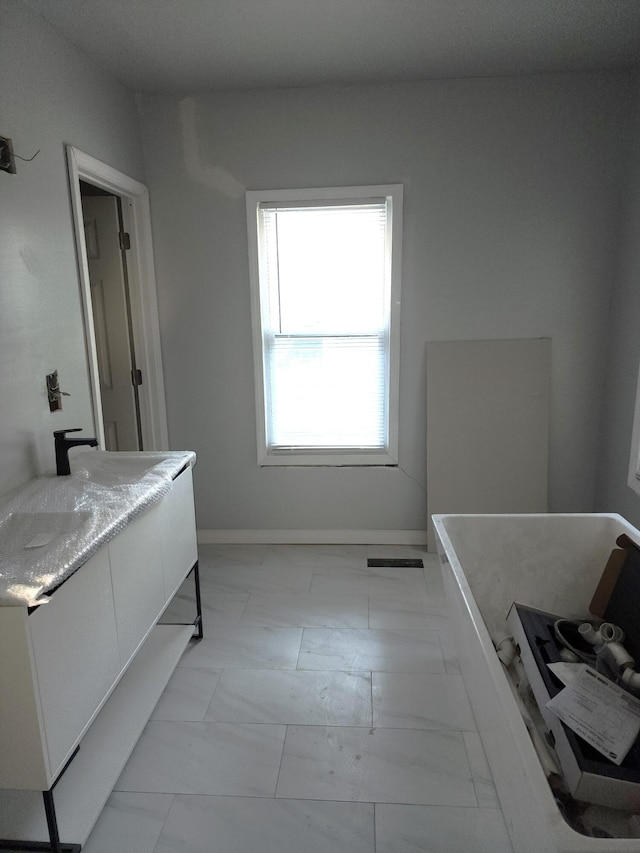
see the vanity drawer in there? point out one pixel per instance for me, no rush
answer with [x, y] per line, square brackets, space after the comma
[178, 532]
[75, 652]
[136, 572]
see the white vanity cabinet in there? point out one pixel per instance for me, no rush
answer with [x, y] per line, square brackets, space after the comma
[87, 668]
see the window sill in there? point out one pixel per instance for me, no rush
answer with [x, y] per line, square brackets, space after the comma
[326, 459]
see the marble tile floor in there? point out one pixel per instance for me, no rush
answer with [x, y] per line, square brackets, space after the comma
[324, 712]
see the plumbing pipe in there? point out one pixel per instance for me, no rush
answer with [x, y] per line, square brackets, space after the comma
[631, 680]
[617, 657]
[545, 756]
[611, 633]
[506, 650]
[589, 634]
[616, 660]
[606, 633]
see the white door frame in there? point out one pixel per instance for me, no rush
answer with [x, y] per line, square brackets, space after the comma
[142, 286]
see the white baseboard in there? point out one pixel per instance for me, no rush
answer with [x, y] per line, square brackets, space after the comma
[313, 537]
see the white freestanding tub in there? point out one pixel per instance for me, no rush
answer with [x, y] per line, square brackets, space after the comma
[551, 562]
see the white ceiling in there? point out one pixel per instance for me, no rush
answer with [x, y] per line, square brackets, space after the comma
[186, 46]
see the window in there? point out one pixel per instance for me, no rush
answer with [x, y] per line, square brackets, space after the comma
[325, 278]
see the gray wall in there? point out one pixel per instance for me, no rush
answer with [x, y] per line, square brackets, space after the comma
[511, 230]
[613, 494]
[511, 206]
[50, 95]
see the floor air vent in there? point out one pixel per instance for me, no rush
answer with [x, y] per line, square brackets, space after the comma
[385, 562]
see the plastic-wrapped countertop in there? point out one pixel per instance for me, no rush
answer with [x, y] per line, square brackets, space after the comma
[52, 525]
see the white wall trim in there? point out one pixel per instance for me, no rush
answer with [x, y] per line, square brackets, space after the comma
[295, 456]
[144, 306]
[312, 537]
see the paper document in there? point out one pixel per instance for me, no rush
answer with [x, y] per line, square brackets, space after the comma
[565, 672]
[603, 714]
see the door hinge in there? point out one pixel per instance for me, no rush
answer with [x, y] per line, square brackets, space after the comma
[125, 241]
[136, 377]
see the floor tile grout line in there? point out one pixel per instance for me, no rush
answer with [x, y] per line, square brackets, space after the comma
[364, 727]
[164, 822]
[361, 726]
[222, 672]
[263, 797]
[246, 604]
[297, 666]
[372, 715]
[375, 829]
[284, 743]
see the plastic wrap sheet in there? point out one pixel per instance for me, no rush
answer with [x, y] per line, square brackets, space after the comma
[51, 526]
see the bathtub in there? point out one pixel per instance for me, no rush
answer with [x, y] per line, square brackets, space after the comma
[551, 562]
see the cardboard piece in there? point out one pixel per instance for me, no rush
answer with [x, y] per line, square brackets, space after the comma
[607, 582]
[623, 604]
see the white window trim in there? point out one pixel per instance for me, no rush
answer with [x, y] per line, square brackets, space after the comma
[633, 480]
[348, 457]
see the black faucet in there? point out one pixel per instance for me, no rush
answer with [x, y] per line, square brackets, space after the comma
[62, 448]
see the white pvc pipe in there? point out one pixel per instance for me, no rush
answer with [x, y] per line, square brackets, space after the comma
[589, 633]
[606, 633]
[631, 679]
[618, 656]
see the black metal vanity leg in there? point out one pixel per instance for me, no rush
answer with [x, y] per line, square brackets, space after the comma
[198, 621]
[52, 822]
[54, 844]
[36, 847]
